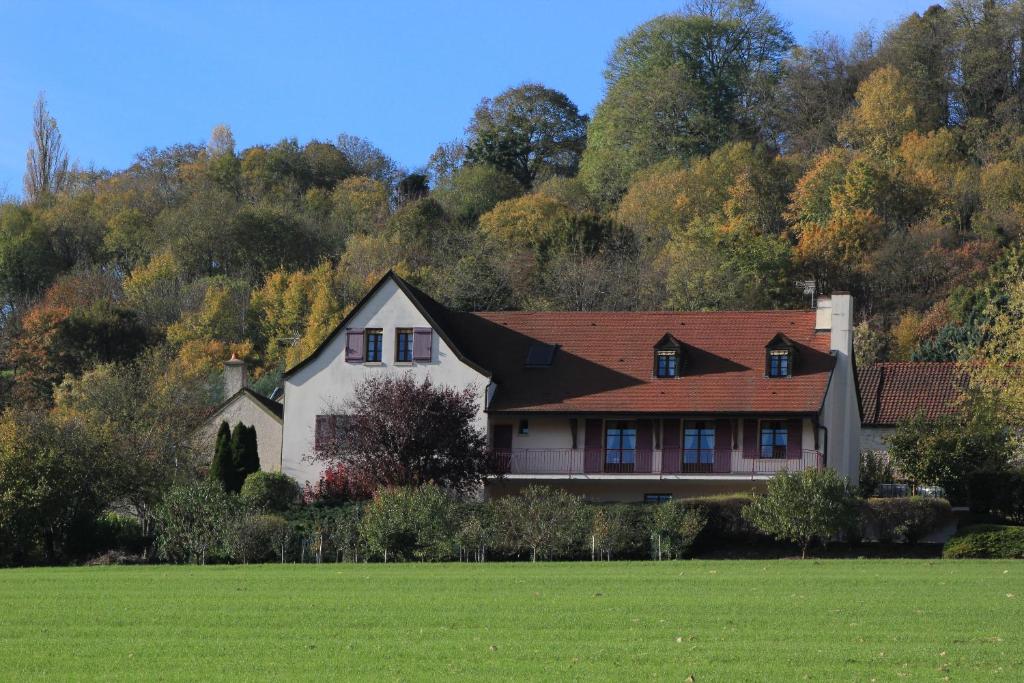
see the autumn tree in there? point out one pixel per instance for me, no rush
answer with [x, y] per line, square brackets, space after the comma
[403, 432]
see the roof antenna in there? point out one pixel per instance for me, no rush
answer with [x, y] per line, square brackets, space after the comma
[809, 287]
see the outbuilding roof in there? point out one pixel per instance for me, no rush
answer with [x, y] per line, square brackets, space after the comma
[892, 392]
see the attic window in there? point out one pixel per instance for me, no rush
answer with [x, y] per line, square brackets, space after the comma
[668, 357]
[540, 355]
[667, 364]
[778, 364]
[780, 357]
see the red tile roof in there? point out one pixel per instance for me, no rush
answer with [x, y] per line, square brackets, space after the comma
[891, 392]
[605, 361]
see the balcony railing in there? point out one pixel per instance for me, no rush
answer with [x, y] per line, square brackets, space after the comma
[581, 461]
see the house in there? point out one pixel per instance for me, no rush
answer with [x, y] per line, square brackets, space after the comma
[893, 392]
[252, 409]
[610, 405]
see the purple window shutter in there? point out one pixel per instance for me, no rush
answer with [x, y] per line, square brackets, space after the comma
[723, 446]
[794, 440]
[671, 456]
[644, 445]
[593, 446]
[750, 445]
[320, 434]
[423, 344]
[354, 346]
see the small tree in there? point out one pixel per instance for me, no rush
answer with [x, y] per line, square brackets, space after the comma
[803, 506]
[546, 522]
[245, 458]
[675, 527]
[403, 523]
[222, 468]
[344, 531]
[946, 451]
[620, 530]
[875, 469]
[400, 432]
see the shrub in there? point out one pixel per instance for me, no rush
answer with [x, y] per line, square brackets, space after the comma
[344, 531]
[475, 530]
[252, 537]
[337, 485]
[875, 469]
[404, 522]
[904, 519]
[998, 493]
[269, 491]
[803, 507]
[194, 521]
[676, 525]
[621, 530]
[545, 522]
[946, 451]
[986, 541]
[725, 520]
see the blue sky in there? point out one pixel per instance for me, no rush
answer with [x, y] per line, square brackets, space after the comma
[121, 76]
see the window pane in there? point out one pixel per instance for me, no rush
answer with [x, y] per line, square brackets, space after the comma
[614, 439]
[629, 438]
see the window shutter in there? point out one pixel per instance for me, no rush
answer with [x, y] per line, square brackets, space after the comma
[423, 344]
[794, 439]
[750, 444]
[644, 446]
[723, 446]
[322, 431]
[593, 453]
[671, 454]
[354, 342]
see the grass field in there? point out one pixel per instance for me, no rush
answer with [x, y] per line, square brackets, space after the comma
[717, 621]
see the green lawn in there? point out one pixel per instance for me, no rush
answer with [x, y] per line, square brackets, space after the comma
[724, 621]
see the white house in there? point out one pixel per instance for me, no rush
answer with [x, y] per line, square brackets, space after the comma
[611, 405]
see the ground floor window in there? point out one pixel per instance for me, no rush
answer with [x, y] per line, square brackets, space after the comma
[620, 443]
[774, 436]
[698, 443]
[657, 497]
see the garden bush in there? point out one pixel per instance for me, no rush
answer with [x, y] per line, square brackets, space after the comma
[194, 522]
[253, 537]
[272, 491]
[621, 530]
[986, 541]
[115, 531]
[404, 523]
[875, 469]
[543, 522]
[803, 507]
[675, 526]
[725, 521]
[906, 520]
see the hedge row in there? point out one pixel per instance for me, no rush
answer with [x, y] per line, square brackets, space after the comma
[988, 541]
[424, 524]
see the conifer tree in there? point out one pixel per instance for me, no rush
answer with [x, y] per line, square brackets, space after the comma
[222, 468]
[250, 458]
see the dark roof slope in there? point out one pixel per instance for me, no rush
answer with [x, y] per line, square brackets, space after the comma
[272, 406]
[892, 392]
[605, 361]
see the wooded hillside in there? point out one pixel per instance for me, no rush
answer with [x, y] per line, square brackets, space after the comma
[724, 164]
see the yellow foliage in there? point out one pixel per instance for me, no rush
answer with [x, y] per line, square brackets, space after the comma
[883, 113]
[525, 222]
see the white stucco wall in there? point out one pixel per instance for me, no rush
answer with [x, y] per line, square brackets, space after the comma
[247, 410]
[326, 384]
[840, 413]
[873, 438]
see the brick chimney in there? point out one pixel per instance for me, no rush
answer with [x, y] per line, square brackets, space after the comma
[236, 376]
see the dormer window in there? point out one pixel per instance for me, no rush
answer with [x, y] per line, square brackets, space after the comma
[780, 356]
[778, 363]
[668, 357]
[668, 364]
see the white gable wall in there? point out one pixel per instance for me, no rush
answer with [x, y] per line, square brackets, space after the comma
[326, 383]
[250, 412]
